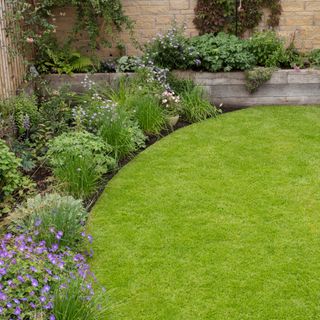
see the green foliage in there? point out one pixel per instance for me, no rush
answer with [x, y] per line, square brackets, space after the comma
[20, 111]
[147, 112]
[267, 48]
[195, 107]
[223, 52]
[63, 214]
[171, 50]
[78, 160]
[314, 57]
[256, 77]
[12, 183]
[63, 61]
[121, 132]
[213, 16]
[128, 64]
[71, 303]
[31, 25]
[179, 85]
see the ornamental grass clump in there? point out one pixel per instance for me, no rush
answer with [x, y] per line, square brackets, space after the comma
[55, 213]
[148, 112]
[195, 107]
[30, 273]
[79, 160]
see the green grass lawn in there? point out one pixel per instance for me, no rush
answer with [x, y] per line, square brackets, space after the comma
[219, 220]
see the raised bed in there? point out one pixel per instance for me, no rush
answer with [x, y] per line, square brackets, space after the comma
[299, 87]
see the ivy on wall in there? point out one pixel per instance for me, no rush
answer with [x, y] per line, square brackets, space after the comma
[212, 16]
[32, 23]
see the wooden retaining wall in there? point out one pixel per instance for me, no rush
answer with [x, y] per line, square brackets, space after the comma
[286, 87]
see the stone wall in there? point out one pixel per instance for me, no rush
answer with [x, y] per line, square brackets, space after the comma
[300, 18]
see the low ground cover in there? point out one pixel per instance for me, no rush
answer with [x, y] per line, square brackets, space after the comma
[216, 221]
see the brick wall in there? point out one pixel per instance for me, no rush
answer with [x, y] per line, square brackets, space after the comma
[299, 17]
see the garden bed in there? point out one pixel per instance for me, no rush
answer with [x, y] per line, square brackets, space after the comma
[286, 87]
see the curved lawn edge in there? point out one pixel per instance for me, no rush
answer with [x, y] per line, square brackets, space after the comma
[234, 245]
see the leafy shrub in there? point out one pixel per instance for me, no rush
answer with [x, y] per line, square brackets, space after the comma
[78, 160]
[72, 302]
[195, 107]
[128, 64]
[12, 182]
[223, 52]
[314, 57]
[55, 213]
[147, 112]
[171, 50]
[31, 272]
[267, 48]
[256, 77]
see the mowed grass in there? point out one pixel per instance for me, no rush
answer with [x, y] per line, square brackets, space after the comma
[220, 220]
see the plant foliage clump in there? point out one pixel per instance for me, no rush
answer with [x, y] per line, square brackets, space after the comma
[256, 77]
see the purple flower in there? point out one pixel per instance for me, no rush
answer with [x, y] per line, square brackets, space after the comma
[90, 238]
[3, 296]
[45, 289]
[59, 235]
[34, 282]
[17, 311]
[52, 317]
[43, 299]
[3, 271]
[33, 269]
[21, 279]
[38, 223]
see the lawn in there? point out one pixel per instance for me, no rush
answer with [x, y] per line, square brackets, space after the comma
[219, 220]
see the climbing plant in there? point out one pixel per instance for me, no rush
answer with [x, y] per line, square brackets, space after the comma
[212, 16]
[32, 23]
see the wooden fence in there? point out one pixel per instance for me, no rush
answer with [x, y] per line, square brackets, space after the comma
[12, 68]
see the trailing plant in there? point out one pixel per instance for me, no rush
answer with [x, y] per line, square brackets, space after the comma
[256, 77]
[32, 24]
[223, 52]
[195, 107]
[53, 213]
[13, 184]
[78, 160]
[213, 16]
